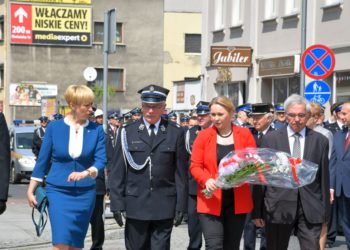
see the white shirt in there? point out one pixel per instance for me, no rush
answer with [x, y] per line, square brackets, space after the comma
[291, 140]
[148, 125]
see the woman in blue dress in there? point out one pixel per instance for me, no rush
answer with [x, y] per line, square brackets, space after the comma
[75, 148]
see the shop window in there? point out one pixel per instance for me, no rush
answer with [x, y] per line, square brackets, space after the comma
[342, 86]
[270, 9]
[192, 43]
[219, 14]
[98, 32]
[234, 91]
[284, 87]
[2, 34]
[115, 78]
[291, 7]
[236, 13]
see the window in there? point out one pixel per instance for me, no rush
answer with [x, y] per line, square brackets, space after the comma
[284, 87]
[270, 9]
[291, 7]
[236, 12]
[234, 91]
[192, 43]
[115, 78]
[219, 17]
[2, 34]
[98, 32]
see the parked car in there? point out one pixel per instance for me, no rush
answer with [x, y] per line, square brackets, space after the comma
[22, 157]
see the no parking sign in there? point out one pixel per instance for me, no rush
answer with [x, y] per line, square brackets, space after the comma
[318, 61]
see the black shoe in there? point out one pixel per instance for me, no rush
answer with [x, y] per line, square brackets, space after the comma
[329, 244]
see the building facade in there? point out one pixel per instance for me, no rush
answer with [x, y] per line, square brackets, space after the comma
[272, 30]
[50, 65]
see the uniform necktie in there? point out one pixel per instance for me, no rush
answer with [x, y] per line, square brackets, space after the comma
[347, 142]
[152, 135]
[260, 134]
[296, 146]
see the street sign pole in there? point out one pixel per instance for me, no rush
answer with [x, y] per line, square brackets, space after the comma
[303, 41]
[109, 40]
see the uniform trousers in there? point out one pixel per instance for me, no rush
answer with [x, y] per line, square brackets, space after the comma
[97, 224]
[145, 235]
[194, 226]
[344, 208]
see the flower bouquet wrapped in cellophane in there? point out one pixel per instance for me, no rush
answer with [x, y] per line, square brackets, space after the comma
[264, 166]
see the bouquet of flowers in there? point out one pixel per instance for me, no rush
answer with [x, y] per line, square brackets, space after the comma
[264, 166]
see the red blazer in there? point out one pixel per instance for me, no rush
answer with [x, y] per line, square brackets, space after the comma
[204, 166]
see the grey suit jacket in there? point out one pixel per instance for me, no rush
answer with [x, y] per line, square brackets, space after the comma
[278, 205]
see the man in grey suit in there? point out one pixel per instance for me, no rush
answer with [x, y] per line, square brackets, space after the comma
[305, 208]
[4, 162]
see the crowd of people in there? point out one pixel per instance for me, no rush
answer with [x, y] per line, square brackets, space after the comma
[154, 169]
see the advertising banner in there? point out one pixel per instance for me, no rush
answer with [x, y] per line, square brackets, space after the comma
[30, 94]
[50, 25]
[56, 1]
[48, 106]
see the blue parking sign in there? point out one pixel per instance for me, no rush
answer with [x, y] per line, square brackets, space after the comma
[317, 91]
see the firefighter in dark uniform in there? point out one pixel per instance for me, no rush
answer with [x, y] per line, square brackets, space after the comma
[280, 116]
[172, 116]
[136, 114]
[338, 124]
[262, 122]
[194, 227]
[38, 136]
[149, 175]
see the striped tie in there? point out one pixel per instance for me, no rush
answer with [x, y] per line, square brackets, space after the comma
[296, 146]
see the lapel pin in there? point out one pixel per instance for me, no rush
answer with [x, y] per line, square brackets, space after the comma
[141, 127]
[162, 128]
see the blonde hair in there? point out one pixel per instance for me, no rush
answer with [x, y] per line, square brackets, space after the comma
[316, 108]
[79, 94]
[224, 102]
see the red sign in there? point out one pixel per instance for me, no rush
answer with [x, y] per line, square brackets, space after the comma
[21, 23]
[318, 61]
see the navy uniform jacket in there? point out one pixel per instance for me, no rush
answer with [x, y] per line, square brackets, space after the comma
[152, 193]
[55, 149]
[333, 127]
[192, 184]
[4, 158]
[37, 141]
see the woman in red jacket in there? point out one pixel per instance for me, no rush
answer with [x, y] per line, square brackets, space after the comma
[222, 216]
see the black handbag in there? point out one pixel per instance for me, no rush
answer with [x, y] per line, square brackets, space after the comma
[41, 208]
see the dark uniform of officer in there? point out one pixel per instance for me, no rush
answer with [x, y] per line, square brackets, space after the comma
[38, 136]
[148, 178]
[336, 126]
[172, 116]
[194, 227]
[5, 159]
[260, 129]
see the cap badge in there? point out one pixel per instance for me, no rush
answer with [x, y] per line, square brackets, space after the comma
[151, 88]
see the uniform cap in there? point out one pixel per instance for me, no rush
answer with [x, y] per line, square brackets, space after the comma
[57, 116]
[98, 112]
[135, 111]
[279, 107]
[202, 108]
[113, 115]
[244, 107]
[260, 109]
[153, 94]
[127, 115]
[336, 107]
[172, 114]
[184, 118]
[43, 118]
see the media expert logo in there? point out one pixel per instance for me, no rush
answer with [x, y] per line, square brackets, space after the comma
[55, 25]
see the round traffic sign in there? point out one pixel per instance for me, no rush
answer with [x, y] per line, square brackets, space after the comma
[318, 61]
[317, 91]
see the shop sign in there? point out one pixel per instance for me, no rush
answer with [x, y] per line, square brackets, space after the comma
[229, 56]
[56, 1]
[279, 66]
[50, 25]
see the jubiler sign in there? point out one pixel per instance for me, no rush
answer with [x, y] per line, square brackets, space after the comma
[226, 56]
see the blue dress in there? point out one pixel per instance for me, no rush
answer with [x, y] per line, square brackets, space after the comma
[70, 203]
